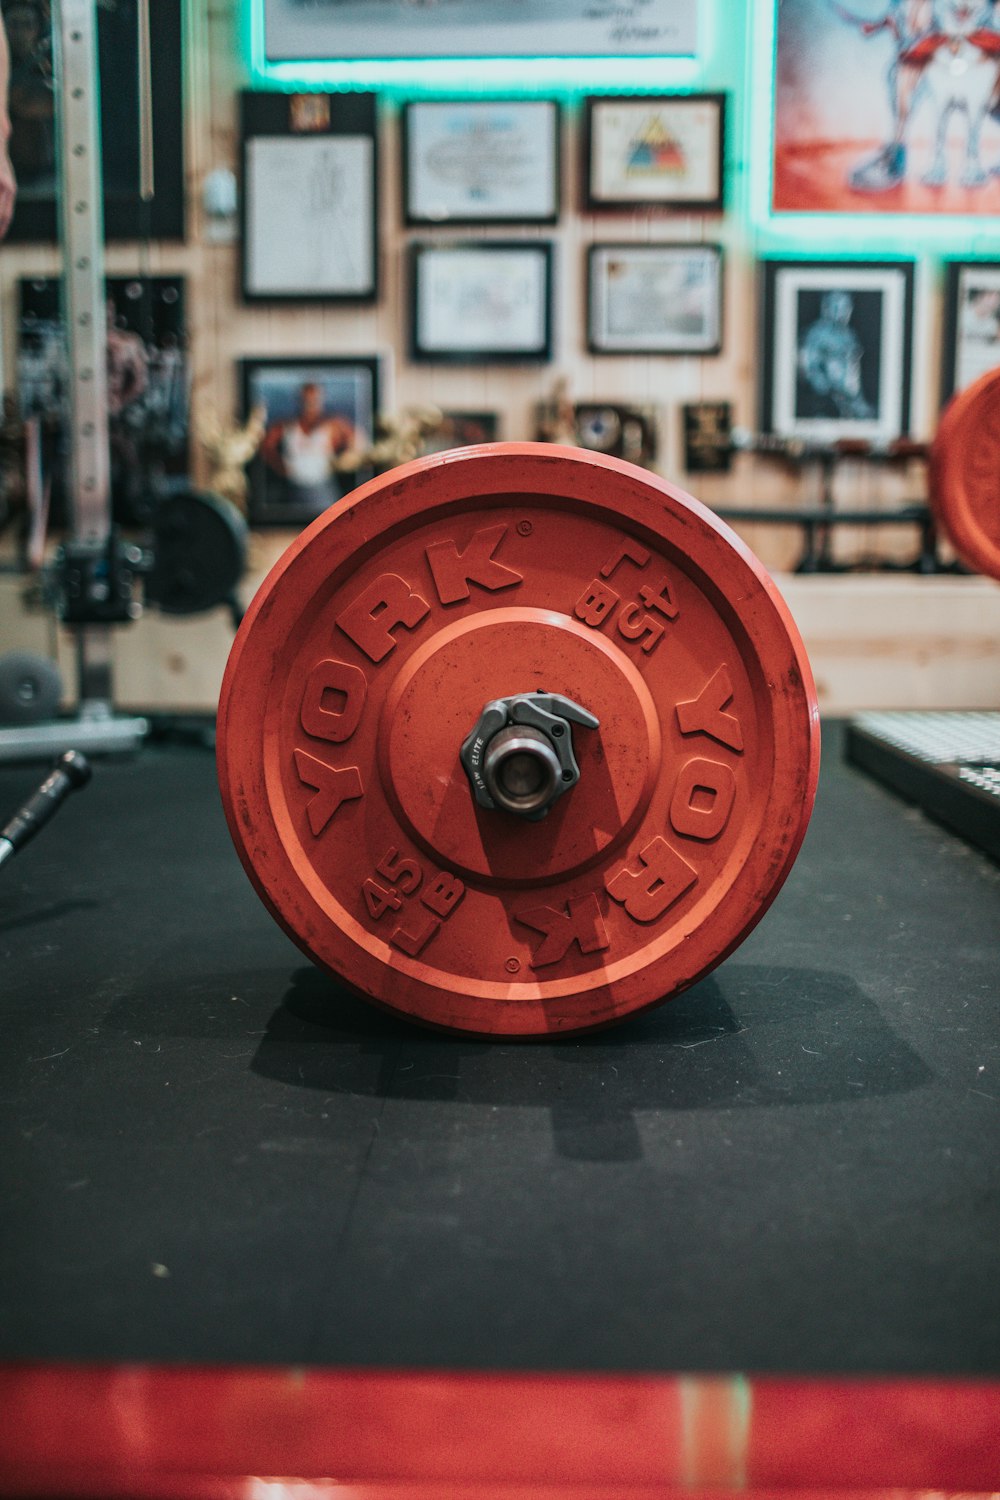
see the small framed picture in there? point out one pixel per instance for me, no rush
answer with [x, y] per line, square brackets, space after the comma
[463, 429]
[971, 324]
[475, 303]
[481, 161]
[654, 299]
[317, 411]
[655, 151]
[309, 200]
[837, 347]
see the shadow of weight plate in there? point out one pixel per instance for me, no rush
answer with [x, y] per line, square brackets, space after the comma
[965, 474]
[480, 591]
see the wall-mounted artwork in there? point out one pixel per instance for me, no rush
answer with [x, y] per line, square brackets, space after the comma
[32, 106]
[322, 30]
[655, 151]
[147, 387]
[887, 106]
[463, 429]
[837, 339]
[654, 299]
[481, 161]
[482, 301]
[310, 194]
[971, 324]
[316, 411]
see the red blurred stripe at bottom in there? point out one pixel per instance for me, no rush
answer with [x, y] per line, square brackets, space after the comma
[256, 1434]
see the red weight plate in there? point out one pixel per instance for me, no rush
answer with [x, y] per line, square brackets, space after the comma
[367, 657]
[965, 474]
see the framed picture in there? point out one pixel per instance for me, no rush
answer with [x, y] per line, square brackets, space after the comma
[655, 151]
[481, 161]
[316, 410]
[463, 429]
[885, 109]
[654, 299]
[837, 349]
[346, 29]
[147, 366]
[481, 302]
[32, 99]
[309, 201]
[971, 324]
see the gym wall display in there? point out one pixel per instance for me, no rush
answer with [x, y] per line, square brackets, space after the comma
[310, 197]
[320, 413]
[481, 302]
[886, 109]
[481, 161]
[32, 101]
[837, 341]
[147, 387]
[971, 324]
[655, 151]
[654, 299]
[344, 29]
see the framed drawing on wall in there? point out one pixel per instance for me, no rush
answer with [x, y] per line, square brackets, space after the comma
[482, 301]
[654, 299]
[348, 29]
[309, 200]
[655, 151]
[837, 347]
[32, 106]
[971, 323]
[316, 410]
[481, 161]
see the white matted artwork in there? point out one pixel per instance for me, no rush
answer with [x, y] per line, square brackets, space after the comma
[309, 213]
[655, 150]
[655, 299]
[837, 350]
[473, 161]
[324, 30]
[972, 324]
[485, 301]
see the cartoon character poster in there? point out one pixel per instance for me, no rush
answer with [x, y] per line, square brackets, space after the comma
[887, 106]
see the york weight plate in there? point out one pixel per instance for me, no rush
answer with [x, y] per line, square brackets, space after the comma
[443, 871]
[965, 474]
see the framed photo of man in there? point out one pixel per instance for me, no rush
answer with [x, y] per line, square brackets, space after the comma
[971, 324]
[32, 108]
[837, 350]
[478, 161]
[320, 413]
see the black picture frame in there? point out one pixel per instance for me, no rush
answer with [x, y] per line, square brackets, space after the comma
[148, 387]
[682, 285]
[309, 197]
[633, 154]
[836, 350]
[971, 341]
[475, 154]
[351, 390]
[472, 303]
[126, 216]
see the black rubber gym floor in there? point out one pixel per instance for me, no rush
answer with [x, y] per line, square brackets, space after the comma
[211, 1154]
